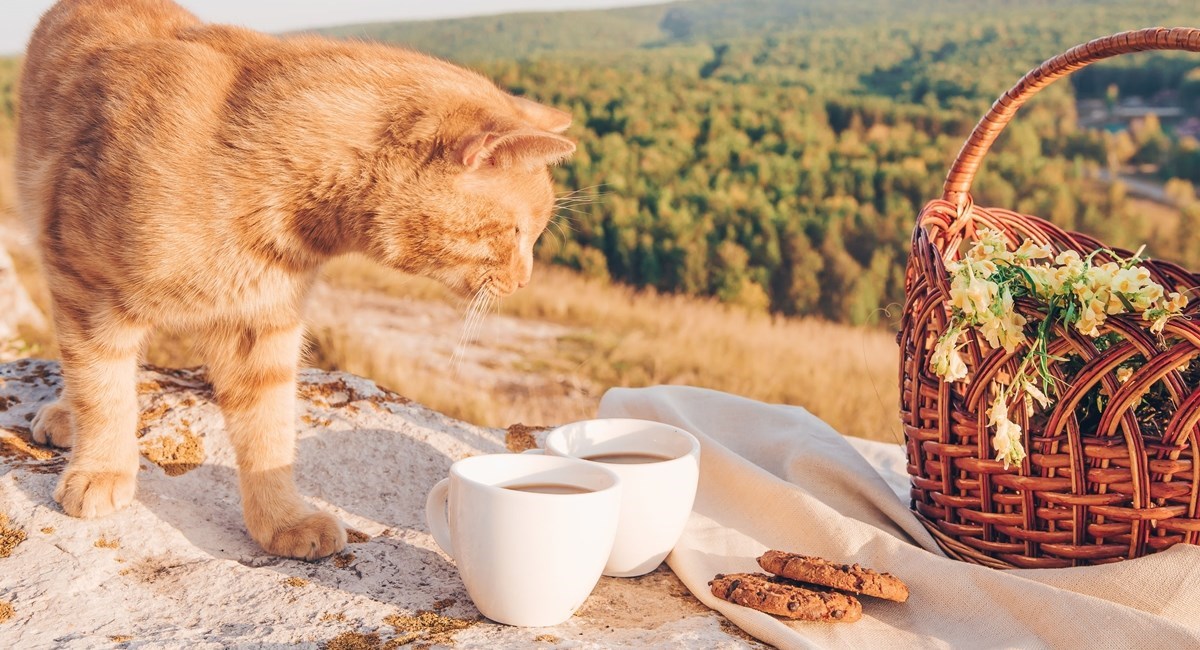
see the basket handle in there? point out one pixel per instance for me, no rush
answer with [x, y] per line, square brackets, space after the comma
[962, 172]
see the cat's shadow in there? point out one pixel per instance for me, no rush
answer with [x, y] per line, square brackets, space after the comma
[376, 479]
[379, 475]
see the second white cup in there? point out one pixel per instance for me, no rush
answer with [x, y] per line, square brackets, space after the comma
[659, 467]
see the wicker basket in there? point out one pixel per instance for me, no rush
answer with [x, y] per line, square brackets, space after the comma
[1092, 489]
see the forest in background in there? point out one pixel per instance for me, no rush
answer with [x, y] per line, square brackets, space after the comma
[774, 154]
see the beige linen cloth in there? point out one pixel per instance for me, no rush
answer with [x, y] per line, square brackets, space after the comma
[778, 477]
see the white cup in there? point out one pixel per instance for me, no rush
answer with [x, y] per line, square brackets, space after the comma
[526, 558]
[656, 497]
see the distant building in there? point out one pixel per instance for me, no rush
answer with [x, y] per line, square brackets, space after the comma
[1096, 113]
[1188, 128]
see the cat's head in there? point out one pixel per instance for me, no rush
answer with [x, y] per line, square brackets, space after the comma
[475, 194]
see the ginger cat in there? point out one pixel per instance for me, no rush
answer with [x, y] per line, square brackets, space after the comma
[195, 176]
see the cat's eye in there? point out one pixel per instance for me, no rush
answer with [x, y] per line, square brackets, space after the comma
[517, 231]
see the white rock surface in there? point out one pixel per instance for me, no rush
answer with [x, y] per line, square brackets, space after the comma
[177, 568]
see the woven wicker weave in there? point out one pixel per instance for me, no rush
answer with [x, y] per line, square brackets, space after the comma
[1093, 489]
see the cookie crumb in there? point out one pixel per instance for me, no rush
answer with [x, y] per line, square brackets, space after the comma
[547, 638]
[6, 611]
[443, 604]
[328, 617]
[519, 437]
[48, 530]
[356, 536]
[105, 542]
[295, 582]
[343, 560]
[120, 638]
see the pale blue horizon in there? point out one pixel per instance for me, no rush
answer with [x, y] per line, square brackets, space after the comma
[286, 15]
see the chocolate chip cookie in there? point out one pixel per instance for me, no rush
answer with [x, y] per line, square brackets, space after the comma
[782, 597]
[847, 577]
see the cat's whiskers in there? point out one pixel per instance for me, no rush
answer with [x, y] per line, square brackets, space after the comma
[580, 191]
[477, 311]
[562, 234]
[575, 203]
[572, 201]
[464, 337]
[567, 218]
[574, 206]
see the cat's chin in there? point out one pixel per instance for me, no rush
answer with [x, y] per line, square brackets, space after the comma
[498, 290]
[490, 286]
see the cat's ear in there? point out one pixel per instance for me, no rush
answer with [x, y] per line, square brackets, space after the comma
[541, 116]
[527, 147]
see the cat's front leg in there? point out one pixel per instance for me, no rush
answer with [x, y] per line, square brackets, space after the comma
[99, 402]
[254, 375]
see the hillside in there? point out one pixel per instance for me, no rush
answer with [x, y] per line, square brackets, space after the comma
[774, 154]
[520, 35]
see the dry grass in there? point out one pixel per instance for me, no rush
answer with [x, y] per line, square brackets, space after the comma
[438, 387]
[845, 375]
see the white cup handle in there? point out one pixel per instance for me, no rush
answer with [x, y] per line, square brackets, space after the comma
[536, 452]
[435, 515]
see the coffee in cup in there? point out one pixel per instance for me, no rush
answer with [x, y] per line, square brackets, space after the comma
[659, 468]
[530, 534]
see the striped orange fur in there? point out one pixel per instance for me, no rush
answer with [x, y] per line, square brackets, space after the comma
[191, 176]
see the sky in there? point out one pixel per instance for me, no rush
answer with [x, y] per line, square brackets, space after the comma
[20, 16]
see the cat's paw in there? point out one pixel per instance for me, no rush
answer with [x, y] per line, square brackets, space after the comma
[89, 494]
[53, 425]
[314, 536]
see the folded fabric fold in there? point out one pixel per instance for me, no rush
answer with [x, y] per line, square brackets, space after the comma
[776, 476]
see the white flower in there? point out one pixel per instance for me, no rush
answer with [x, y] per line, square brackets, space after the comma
[989, 245]
[1006, 330]
[1160, 313]
[1031, 393]
[1129, 280]
[1036, 393]
[973, 295]
[1175, 302]
[1092, 316]
[1031, 251]
[1069, 260]
[946, 361]
[1159, 323]
[1007, 439]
